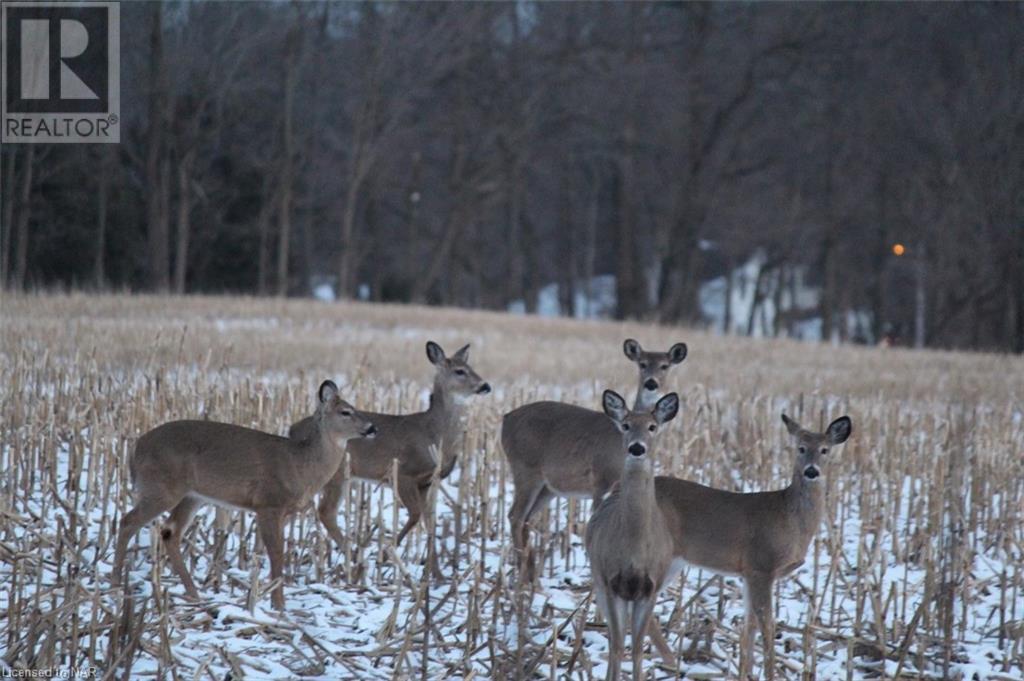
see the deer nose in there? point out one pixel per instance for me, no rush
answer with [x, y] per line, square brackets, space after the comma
[650, 384]
[811, 472]
[370, 431]
[638, 449]
[484, 389]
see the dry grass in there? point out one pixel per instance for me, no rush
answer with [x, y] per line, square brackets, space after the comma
[916, 572]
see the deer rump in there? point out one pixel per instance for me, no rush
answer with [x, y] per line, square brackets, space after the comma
[632, 585]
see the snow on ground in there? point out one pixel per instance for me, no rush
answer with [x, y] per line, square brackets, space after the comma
[332, 629]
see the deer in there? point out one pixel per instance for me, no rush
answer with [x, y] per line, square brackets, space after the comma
[412, 439]
[759, 536]
[627, 539]
[566, 450]
[181, 465]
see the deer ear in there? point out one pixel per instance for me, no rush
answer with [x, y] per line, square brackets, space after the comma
[434, 353]
[463, 354]
[614, 406]
[666, 408]
[328, 391]
[792, 426]
[632, 349]
[677, 353]
[839, 430]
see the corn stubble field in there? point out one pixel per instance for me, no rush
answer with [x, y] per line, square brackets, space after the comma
[916, 572]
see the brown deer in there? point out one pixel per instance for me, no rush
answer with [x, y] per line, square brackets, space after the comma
[410, 438]
[759, 536]
[561, 449]
[627, 541]
[181, 465]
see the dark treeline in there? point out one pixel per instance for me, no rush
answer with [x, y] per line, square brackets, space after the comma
[473, 153]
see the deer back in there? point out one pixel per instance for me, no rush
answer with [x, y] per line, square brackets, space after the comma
[575, 450]
[732, 532]
[228, 464]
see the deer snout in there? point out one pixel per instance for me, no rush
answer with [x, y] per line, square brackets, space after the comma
[638, 449]
[650, 384]
[484, 389]
[370, 432]
[811, 472]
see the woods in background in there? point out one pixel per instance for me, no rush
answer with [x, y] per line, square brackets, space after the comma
[473, 154]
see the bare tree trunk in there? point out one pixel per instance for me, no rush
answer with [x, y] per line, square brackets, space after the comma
[183, 227]
[25, 212]
[756, 300]
[347, 265]
[359, 169]
[102, 198]
[630, 289]
[919, 299]
[1017, 292]
[531, 278]
[876, 288]
[441, 258]
[778, 276]
[727, 307]
[292, 49]
[412, 235]
[590, 244]
[629, 293]
[7, 220]
[829, 303]
[156, 199]
[516, 267]
[568, 270]
[269, 194]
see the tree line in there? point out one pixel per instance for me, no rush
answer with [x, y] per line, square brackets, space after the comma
[471, 154]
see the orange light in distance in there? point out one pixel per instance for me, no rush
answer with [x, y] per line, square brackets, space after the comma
[898, 249]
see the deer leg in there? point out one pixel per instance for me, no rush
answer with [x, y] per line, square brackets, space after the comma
[147, 509]
[642, 610]
[521, 502]
[759, 590]
[654, 631]
[435, 565]
[613, 609]
[171, 533]
[747, 635]
[327, 509]
[409, 493]
[271, 522]
[540, 498]
[615, 616]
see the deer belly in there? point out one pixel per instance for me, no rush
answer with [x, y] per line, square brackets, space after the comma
[570, 492]
[569, 483]
[678, 564]
[220, 502]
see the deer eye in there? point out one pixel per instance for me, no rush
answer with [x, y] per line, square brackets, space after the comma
[652, 428]
[824, 450]
[460, 372]
[803, 450]
[664, 367]
[346, 412]
[625, 427]
[643, 365]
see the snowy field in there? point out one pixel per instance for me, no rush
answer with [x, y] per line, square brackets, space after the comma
[916, 571]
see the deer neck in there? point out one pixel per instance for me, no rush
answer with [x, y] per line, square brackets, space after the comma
[636, 498]
[807, 500]
[645, 399]
[320, 453]
[446, 413]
